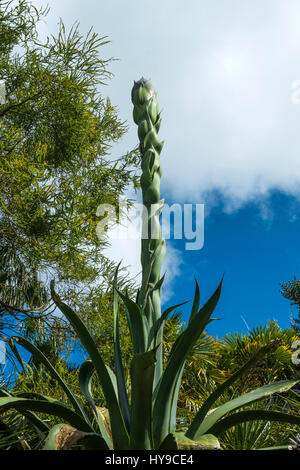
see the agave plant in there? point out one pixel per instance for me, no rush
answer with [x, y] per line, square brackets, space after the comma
[147, 419]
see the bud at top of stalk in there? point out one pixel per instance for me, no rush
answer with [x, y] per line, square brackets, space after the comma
[143, 94]
[142, 91]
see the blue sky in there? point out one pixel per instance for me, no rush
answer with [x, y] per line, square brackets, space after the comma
[254, 255]
[224, 72]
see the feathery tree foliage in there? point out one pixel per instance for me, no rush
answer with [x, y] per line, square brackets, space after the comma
[56, 130]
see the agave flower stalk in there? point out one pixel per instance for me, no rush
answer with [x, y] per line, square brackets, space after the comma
[146, 115]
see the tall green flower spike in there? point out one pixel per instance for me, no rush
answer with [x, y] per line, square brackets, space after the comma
[146, 115]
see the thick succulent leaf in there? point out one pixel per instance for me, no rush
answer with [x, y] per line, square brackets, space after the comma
[169, 442]
[113, 379]
[61, 437]
[86, 372]
[39, 425]
[207, 405]
[152, 338]
[205, 442]
[138, 327]
[196, 302]
[142, 375]
[164, 398]
[43, 406]
[65, 437]
[104, 413]
[35, 396]
[85, 377]
[179, 441]
[122, 392]
[105, 426]
[176, 388]
[252, 415]
[16, 353]
[52, 371]
[147, 269]
[92, 442]
[158, 285]
[258, 394]
[120, 435]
